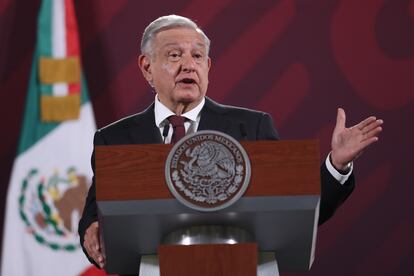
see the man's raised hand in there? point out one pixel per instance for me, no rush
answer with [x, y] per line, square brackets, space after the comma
[349, 143]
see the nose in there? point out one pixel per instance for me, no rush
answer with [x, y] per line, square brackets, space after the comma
[188, 63]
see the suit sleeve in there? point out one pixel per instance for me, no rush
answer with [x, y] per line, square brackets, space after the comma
[90, 211]
[333, 193]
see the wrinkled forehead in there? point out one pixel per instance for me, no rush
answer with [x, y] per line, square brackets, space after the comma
[179, 37]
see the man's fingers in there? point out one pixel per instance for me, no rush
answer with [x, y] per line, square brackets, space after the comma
[372, 133]
[96, 255]
[340, 119]
[92, 249]
[100, 260]
[365, 122]
[91, 241]
[92, 245]
[371, 126]
[364, 144]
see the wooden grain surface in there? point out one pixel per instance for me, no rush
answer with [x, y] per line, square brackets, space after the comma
[128, 172]
[208, 259]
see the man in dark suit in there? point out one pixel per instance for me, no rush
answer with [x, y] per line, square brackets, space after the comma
[176, 64]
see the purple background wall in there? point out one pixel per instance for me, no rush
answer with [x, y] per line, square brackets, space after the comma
[298, 60]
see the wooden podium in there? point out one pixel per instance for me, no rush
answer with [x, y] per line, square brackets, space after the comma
[279, 209]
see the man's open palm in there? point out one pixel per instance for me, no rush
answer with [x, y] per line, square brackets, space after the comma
[348, 143]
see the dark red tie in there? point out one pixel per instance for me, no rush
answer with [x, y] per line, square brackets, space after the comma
[177, 123]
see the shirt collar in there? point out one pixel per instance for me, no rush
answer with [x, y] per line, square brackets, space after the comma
[162, 112]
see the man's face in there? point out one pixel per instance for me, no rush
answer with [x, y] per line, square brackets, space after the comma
[178, 67]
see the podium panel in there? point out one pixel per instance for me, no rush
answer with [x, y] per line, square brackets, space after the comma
[279, 209]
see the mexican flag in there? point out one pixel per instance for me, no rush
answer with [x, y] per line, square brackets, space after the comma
[51, 173]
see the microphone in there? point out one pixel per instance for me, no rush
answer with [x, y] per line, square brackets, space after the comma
[243, 131]
[165, 131]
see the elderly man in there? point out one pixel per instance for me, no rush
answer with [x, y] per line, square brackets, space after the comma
[175, 62]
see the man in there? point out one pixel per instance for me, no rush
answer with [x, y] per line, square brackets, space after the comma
[174, 60]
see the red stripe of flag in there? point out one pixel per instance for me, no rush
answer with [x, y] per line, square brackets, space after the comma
[72, 39]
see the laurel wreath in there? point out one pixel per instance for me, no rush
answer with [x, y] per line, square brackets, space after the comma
[47, 214]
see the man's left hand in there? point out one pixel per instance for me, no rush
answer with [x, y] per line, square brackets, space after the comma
[348, 143]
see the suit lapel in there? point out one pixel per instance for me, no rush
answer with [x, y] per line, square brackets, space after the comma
[144, 130]
[213, 117]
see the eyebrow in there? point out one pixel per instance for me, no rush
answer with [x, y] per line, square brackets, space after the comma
[201, 45]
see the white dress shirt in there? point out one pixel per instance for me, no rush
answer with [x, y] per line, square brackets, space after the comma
[162, 113]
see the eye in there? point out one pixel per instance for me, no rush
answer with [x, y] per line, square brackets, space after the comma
[174, 55]
[198, 57]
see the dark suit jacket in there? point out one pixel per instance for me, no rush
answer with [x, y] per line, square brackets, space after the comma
[240, 123]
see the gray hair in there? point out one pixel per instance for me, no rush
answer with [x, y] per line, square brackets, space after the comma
[168, 22]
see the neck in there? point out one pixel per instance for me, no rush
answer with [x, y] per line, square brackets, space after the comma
[181, 107]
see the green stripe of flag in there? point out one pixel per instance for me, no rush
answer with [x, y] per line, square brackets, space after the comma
[44, 38]
[44, 29]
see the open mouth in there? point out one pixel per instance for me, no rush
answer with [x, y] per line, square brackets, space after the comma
[188, 81]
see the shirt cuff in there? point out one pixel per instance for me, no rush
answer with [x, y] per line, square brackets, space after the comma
[341, 178]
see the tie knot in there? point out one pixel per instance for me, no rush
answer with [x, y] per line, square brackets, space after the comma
[176, 120]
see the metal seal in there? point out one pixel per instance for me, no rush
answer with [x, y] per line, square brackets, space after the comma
[207, 170]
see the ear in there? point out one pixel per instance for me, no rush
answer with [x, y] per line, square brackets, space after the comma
[209, 63]
[144, 63]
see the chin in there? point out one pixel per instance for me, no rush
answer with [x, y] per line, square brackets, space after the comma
[189, 96]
